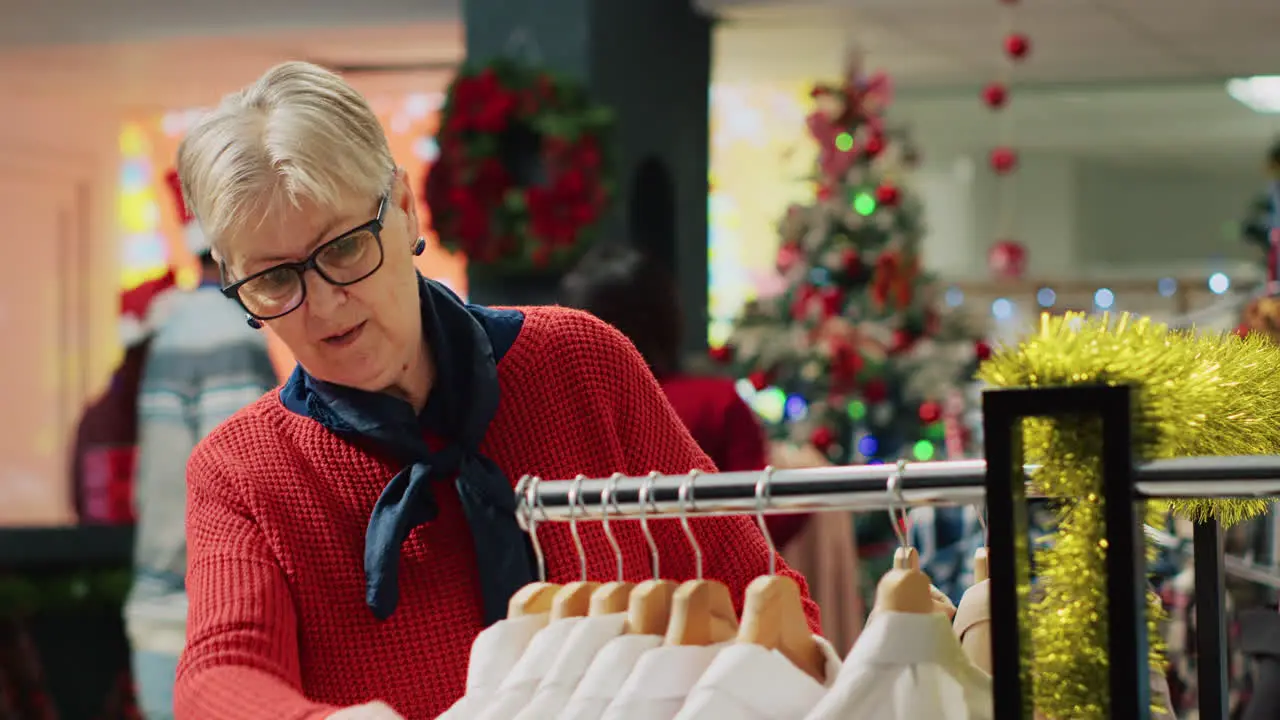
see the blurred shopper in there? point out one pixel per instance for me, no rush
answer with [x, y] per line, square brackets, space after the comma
[635, 294]
[204, 364]
[105, 451]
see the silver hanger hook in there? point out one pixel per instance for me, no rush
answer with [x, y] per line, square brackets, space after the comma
[534, 498]
[894, 488]
[762, 504]
[646, 501]
[575, 502]
[608, 496]
[686, 501]
[982, 520]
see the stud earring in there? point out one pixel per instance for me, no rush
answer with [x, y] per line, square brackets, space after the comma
[419, 245]
[253, 322]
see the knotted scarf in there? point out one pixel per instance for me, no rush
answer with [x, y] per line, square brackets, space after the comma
[462, 402]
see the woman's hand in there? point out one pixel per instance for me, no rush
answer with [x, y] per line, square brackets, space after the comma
[368, 711]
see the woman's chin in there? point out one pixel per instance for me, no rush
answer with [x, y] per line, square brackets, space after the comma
[371, 378]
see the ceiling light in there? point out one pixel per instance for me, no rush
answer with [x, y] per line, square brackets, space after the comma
[1260, 93]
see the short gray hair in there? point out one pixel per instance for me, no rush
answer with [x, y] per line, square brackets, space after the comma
[298, 132]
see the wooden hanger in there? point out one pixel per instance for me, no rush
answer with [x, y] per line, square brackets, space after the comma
[649, 607]
[981, 570]
[611, 597]
[973, 617]
[573, 600]
[904, 588]
[536, 597]
[702, 611]
[532, 599]
[773, 612]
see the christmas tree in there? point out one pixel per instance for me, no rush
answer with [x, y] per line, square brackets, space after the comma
[855, 356]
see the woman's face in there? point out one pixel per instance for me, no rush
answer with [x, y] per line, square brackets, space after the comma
[366, 335]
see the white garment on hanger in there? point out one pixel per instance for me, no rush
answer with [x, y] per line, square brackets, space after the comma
[522, 681]
[606, 676]
[493, 653]
[579, 649]
[751, 682]
[907, 666]
[660, 682]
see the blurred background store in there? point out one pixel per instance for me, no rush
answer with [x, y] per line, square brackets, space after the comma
[1142, 132]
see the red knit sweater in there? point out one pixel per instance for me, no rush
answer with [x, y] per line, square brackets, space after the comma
[277, 508]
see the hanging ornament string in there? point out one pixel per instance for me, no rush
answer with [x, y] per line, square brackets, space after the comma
[1007, 258]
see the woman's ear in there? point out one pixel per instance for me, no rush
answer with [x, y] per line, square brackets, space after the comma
[405, 199]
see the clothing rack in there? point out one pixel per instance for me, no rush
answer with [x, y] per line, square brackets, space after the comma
[999, 481]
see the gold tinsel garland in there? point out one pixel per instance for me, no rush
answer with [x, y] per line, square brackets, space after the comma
[1194, 395]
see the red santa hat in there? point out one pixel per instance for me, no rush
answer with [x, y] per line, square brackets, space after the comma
[145, 307]
[193, 236]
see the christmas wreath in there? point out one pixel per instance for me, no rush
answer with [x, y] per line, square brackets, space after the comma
[522, 175]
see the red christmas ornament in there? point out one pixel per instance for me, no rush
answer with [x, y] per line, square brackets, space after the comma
[995, 95]
[721, 354]
[982, 350]
[851, 262]
[1007, 260]
[902, 341]
[874, 146]
[875, 391]
[1243, 330]
[1017, 45]
[1004, 160]
[888, 195]
[822, 438]
[759, 379]
[788, 256]
[930, 412]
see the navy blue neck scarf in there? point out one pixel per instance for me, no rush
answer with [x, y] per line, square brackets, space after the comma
[462, 403]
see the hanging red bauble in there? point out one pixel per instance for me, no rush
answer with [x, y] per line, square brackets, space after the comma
[995, 95]
[887, 195]
[822, 438]
[930, 412]
[902, 341]
[1007, 260]
[788, 255]
[1017, 45]
[759, 379]
[875, 391]
[721, 354]
[851, 262]
[982, 350]
[874, 146]
[1004, 160]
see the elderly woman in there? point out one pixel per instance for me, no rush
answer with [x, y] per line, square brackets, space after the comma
[350, 534]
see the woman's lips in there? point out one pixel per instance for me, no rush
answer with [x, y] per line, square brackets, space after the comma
[344, 339]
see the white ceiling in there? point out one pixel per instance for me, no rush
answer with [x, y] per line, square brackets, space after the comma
[1132, 80]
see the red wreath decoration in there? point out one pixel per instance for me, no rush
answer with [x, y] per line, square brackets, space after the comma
[522, 178]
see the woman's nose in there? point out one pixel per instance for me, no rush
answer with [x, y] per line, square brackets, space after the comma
[323, 296]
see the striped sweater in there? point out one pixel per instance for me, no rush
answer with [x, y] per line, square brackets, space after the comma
[204, 364]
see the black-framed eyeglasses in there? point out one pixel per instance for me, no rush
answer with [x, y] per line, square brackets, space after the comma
[345, 260]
